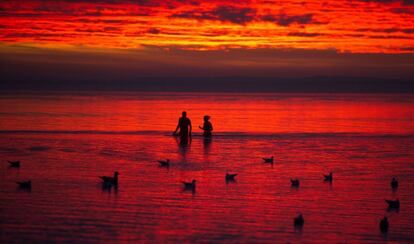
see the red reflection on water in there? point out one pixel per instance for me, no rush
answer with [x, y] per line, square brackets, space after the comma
[67, 202]
[150, 203]
[258, 113]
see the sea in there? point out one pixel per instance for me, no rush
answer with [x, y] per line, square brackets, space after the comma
[66, 140]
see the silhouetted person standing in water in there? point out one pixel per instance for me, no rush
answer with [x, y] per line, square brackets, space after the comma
[207, 126]
[184, 124]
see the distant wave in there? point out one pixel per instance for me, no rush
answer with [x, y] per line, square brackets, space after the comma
[216, 135]
[82, 132]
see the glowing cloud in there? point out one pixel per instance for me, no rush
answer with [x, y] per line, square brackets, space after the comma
[358, 26]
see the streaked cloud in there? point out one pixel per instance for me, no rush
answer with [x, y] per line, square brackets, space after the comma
[404, 2]
[286, 20]
[356, 26]
[232, 14]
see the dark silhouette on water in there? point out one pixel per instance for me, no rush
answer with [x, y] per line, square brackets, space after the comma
[189, 185]
[329, 177]
[394, 183]
[268, 160]
[25, 184]
[184, 124]
[110, 180]
[393, 204]
[14, 164]
[298, 221]
[207, 126]
[207, 144]
[164, 163]
[294, 182]
[230, 177]
[107, 187]
[384, 225]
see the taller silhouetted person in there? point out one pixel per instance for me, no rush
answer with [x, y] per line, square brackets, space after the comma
[184, 124]
[207, 126]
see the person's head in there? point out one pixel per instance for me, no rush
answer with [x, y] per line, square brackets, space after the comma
[184, 114]
[206, 118]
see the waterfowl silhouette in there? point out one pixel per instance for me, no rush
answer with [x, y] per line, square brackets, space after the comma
[384, 225]
[25, 184]
[14, 164]
[393, 204]
[328, 177]
[298, 220]
[268, 160]
[230, 177]
[394, 183]
[294, 182]
[164, 163]
[110, 180]
[189, 185]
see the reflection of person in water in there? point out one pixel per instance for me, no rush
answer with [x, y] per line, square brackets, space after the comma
[207, 126]
[184, 124]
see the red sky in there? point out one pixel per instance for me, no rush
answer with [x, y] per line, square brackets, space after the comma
[265, 38]
[347, 25]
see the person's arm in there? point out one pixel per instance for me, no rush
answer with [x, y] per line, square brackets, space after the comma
[201, 127]
[176, 129]
[191, 127]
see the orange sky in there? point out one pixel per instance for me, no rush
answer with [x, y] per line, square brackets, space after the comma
[121, 44]
[362, 26]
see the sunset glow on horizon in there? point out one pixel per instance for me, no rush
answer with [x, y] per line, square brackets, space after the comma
[190, 121]
[355, 26]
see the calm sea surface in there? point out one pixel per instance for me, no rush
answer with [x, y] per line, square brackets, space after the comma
[65, 141]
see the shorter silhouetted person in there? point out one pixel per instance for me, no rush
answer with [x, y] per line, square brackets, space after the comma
[207, 126]
[184, 124]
